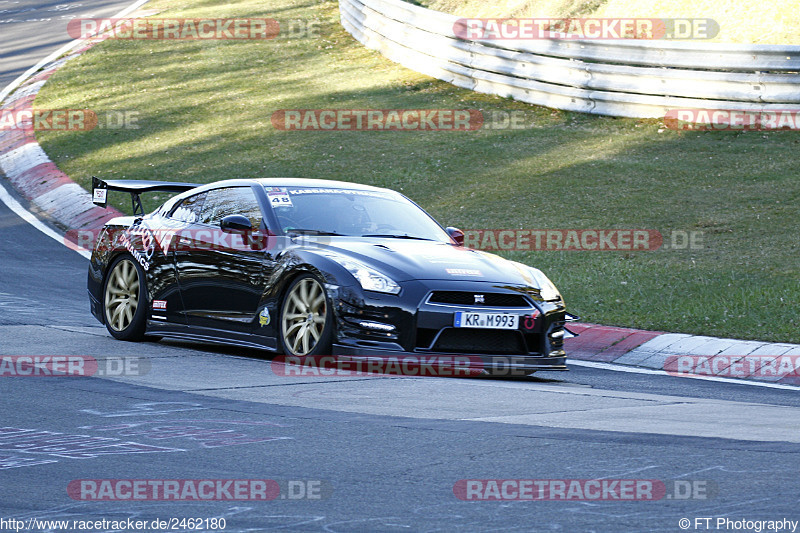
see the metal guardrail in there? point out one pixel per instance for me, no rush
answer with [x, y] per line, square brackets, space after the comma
[627, 78]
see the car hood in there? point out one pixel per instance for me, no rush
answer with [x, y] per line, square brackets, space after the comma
[405, 260]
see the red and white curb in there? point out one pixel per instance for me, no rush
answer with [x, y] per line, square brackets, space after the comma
[38, 179]
[679, 354]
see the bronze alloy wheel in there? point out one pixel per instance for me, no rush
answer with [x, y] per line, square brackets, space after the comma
[122, 298]
[304, 317]
[122, 295]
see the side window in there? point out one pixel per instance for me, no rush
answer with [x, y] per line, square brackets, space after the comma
[190, 209]
[231, 201]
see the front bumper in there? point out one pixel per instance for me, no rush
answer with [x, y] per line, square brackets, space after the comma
[412, 323]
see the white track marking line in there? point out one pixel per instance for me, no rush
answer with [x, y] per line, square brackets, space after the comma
[31, 219]
[637, 370]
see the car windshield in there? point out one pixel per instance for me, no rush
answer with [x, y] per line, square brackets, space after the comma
[351, 212]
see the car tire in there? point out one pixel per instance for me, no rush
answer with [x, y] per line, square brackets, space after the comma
[125, 299]
[306, 321]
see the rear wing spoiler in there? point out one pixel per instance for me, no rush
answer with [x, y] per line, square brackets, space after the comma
[100, 190]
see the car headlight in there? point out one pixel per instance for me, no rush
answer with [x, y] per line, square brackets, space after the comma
[547, 290]
[369, 278]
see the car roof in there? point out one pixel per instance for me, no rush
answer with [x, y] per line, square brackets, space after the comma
[275, 182]
[289, 182]
[307, 182]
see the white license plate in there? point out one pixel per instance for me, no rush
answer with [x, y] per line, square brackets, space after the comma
[485, 320]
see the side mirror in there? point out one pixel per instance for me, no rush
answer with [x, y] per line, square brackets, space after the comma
[456, 234]
[236, 224]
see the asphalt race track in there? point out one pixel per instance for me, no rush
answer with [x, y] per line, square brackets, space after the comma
[371, 453]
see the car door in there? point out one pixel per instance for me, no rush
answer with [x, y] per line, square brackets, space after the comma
[167, 306]
[222, 275]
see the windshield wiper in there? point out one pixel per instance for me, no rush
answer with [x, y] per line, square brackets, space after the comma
[392, 236]
[303, 231]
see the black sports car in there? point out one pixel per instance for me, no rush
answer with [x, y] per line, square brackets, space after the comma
[308, 267]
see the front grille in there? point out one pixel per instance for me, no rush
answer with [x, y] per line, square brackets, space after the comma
[477, 341]
[490, 299]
